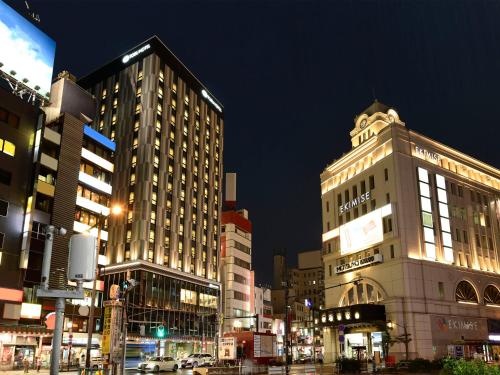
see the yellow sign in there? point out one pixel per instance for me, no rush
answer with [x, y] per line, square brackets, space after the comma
[106, 330]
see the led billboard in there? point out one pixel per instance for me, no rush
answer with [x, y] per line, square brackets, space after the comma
[362, 232]
[26, 53]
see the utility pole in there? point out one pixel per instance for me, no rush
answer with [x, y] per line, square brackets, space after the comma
[59, 295]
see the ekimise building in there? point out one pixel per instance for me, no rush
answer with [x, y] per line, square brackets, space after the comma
[418, 223]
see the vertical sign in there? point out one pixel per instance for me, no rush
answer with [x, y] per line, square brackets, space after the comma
[106, 331]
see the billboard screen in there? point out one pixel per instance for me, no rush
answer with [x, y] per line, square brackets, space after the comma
[26, 53]
[362, 232]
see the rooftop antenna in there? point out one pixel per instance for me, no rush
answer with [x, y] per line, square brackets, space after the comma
[32, 14]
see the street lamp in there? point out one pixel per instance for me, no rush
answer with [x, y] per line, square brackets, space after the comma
[115, 210]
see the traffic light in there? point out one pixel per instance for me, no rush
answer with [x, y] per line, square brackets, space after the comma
[160, 331]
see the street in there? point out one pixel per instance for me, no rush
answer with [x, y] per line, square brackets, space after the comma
[294, 369]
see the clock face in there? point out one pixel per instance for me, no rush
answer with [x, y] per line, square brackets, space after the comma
[363, 124]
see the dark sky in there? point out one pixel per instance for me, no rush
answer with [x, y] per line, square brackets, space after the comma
[293, 74]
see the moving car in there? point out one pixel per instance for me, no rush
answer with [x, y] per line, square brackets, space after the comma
[198, 360]
[156, 364]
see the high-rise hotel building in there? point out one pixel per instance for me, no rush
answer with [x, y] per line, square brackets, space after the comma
[412, 227]
[168, 130]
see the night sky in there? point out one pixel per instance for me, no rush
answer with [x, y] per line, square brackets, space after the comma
[293, 74]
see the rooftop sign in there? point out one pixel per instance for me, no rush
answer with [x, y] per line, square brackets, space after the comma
[137, 52]
[209, 98]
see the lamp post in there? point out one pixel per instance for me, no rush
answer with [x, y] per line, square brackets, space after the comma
[404, 338]
[115, 210]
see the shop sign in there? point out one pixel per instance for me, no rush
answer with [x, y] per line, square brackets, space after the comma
[106, 331]
[425, 154]
[358, 263]
[459, 328]
[355, 202]
[227, 348]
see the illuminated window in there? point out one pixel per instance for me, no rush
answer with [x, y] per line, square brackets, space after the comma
[157, 143]
[136, 125]
[153, 198]
[138, 93]
[117, 86]
[160, 92]
[101, 124]
[155, 179]
[169, 203]
[159, 109]
[7, 147]
[151, 236]
[130, 216]
[103, 108]
[170, 170]
[115, 103]
[173, 103]
[132, 178]
[113, 119]
[129, 235]
[161, 76]
[131, 197]
[183, 177]
[134, 161]
[172, 119]
[156, 161]
[104, 93]
[188, 296]
[139, 74]
[158, 125]
[138, 108]
[135, 143]
[169, 186]
[184, 161]
[174, 87]
[171, 152]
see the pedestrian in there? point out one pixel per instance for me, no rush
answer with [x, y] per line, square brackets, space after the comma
[320, 357]
[26, 364]
[38, 364]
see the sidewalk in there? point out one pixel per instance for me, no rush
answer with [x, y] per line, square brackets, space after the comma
[33, 372]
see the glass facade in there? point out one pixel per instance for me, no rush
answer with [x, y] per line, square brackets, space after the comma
[187, 310]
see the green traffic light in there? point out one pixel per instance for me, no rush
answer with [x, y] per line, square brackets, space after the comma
[160, 331]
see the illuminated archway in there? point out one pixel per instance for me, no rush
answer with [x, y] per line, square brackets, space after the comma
[363, 292]
[466, 293]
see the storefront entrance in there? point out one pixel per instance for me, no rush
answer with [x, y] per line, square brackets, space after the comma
[363, 345]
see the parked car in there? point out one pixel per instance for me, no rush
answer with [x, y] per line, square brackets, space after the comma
[303, 358]
[95, 362]
[198, 360]
[157, 364]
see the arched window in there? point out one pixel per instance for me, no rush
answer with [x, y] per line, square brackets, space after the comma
[466, 293]
[491, 295]
[361, 293]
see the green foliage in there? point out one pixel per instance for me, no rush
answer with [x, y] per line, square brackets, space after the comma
[349, 365]
[462, 367]
[419, 365]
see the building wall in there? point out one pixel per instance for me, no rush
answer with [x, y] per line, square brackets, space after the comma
[169, 150]
[236, 271]
[415, 286]
[18, 121]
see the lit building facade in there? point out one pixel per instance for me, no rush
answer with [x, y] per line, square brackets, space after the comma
[168, 130]
[263, 308]
[60, 173]
[236, 271]
[417, 224]
[71, 188]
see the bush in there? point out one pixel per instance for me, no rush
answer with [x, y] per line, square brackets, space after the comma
[419, 365]
[349, 365]
[462, 367]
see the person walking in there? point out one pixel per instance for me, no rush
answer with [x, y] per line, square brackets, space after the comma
[26, 364]
[38, 364]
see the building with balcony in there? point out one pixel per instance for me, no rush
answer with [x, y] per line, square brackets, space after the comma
[168, 130]
[410, 225]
